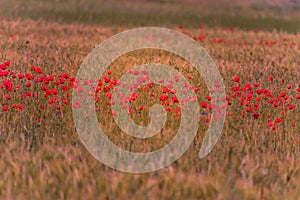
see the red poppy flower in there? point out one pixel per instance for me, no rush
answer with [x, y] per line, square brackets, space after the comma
[20, 107]
[65, 88]
[270, 124]
[21, 76]
[109, 95]
[208, 98]
[260, 91]
[235, 88]
[291, 106]
[163, 97]
[65, 101]
[174, 99]
[28, 84]
[5, 108]
[29, 76]
[168, 109]
[278, 120]
[203, 104]
[236, 79]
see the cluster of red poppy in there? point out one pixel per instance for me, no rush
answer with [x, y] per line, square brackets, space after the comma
[268, 43]
[243, 100]
[18, 89]
[258, 101]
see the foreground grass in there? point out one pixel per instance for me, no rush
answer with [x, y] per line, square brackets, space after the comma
[50, 162]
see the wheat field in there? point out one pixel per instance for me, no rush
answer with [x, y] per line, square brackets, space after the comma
[42, 157]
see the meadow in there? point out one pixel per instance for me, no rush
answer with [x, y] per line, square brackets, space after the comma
[42, 157]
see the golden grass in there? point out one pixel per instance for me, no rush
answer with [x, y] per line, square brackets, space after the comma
[49, 162]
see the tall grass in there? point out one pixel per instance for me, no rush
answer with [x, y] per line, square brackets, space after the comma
[48, 161]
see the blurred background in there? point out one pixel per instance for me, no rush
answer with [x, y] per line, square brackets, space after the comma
[282, 15]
